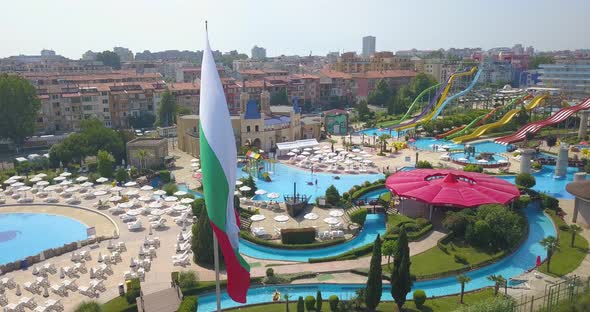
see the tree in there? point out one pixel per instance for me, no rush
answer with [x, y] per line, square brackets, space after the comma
[525, 180]
[142, 155]
[374, 281]
[498, 281]
[388, 249]
[143, 120]
[551, 141]
[249, 182]
[88, 306]
[300, 304]
[332, 195]
[318, 301]
[106, 161]
[401, 280]
[109, 58]
[381, 94]
[463, 279]
[551, 244]
[363, 111]
[575, 229]
[360, 298]
[279, 98]
[537, 60]
[167, 110]
[421, 82]
[19, 105]
[286, 297]
[333, 301]
[201, 243]
[121, 175]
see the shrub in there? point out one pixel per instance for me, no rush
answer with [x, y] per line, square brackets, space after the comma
[133, 172]
[564, 227]
[333, 302]
[197, 206]
[359, 216]
[523, 201]
[422, 222]
[457, 222]
[366, 184]
[410, 227]
[461, 259]
[133, 290]
[270, 272]
[473, 168]
[170, 189]
[188, 304]
[549, 202]
[525, 180]
[105, 164]
[332, 196]
[424, 164]
[187, 279]
[419, 298]
[121, 175]
[536, 165]
[298, 235]
[165, 176]
[310, 303]
[318, 301]
[480, 234]
[88, 306]
[300, 305]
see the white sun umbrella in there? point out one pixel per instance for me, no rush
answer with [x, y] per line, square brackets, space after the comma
[101, 180]
[125, 205]
[356, 150]
[66, 182]
[180, 207]
[186, 200]
[301, 157]
[317, 152]
[130, 183]
[146, 188]
[170, 199]
[116, 189]
[132, 192]
[295, 150]
[157, 212]
[245, 188]
[336, 212]
[42, 183]
[155, 204]
[10, 181]
[236, 192]
[291, 154]
[81, 179]
[160, 192]
[134, 212]
[87, 184]
[311, 216]
[16, 177]
[332, 220]
[367, 161]
[281, 218]
[65, 174]
[51, 188]
[260, 192]
[273, 195]
[308, 149]
[238, 182]
[60, 178]
[306, 153]
[35, 179]
[17, 184]
[146, 198]
[41, 175]
[331, 154]
[257, 217]
[348, 162]
[331, 161]
[195, 165]
[72, 189]
[100, 193]
[357, 158]
[24, 188]
[316, 148]
[115, 198]
[180, 193]
[194, 160]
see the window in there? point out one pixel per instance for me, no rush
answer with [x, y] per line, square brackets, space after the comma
[247, 128]
[86, 98]
[105, 110]
[105, 101]
[87, 107]
[256, 128]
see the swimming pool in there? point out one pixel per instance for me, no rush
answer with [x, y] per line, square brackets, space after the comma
[283, 177]
[546, 183]
[27, 234]
[426, 144]
[517, 263]
[375, 224]
[377, 132]
[472, 160]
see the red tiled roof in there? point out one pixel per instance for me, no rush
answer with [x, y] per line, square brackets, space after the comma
[335, 74]
[179, 86]
[251, 72]
[386, 74]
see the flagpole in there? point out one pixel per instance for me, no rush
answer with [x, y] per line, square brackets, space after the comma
[216, 261]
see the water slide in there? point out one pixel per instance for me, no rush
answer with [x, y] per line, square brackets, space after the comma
[423, 93]
[440, 94]
[483, 118]
[534, 127]
[443, 101]
[504, 120]
[454, 130]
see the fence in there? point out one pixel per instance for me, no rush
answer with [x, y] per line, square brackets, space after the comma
[553, 296]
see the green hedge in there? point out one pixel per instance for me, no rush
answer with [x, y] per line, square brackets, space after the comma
[188, 304]
[359, 216]
[351, 254]
[205, 286]
[298, 236]
[247, 236]
[165, 176]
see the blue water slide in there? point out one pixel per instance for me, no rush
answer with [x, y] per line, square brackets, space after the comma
[454, 96]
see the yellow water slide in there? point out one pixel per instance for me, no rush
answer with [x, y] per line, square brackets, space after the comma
[504, 120]
[441, 100]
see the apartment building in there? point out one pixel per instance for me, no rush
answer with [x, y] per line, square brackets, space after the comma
[349, 62]
[336, 86]
[365, 83]
[572, 77]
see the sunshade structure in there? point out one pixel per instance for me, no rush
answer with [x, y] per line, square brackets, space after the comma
[451, 188]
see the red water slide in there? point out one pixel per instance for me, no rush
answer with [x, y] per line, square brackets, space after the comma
[534, 127]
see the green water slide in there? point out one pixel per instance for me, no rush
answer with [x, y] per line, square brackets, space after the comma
[416, 100]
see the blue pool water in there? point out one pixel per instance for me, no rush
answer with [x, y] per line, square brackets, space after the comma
[283, 177]
[473, 160]
[183, 187]
[520, 261]
[374, 194]
[485, 146]
[546, 183]
[377, 132]
[27, 234]
[375, 224]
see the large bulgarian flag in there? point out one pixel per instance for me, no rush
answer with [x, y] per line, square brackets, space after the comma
[218, 165]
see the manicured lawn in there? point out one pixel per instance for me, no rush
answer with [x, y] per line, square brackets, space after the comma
[435, 260]
[450, 303]
[568, 258]
[394, 220]
[118, 304]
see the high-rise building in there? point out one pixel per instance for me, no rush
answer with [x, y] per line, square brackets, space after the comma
[572, 77]
[368, 46]
[258, 53]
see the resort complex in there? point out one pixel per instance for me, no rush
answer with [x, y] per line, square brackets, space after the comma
[420, 180]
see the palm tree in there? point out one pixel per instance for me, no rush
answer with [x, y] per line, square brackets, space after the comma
[286, 296]
[575, 229]
[142, 155]
[551, 244]
[332, 142]
[498, 280]
[463, 279]
[383, 140]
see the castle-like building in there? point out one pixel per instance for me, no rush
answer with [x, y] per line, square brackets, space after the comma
[258, 125]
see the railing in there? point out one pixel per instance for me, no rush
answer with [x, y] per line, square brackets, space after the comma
[554, 296]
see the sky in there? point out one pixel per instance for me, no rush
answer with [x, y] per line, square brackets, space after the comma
[71, 27]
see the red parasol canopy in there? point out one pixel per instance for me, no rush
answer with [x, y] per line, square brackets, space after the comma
[538, 262]
[451, 187]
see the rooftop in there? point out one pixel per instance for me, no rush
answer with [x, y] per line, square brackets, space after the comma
[138, 142]
[579, 189]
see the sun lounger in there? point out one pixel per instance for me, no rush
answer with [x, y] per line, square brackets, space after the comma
[80, 267]
[28, 302]
[49, 267]
[54, 304]
[8, 282]
[181, 261]
[185, 253]
[69, 285]
[134, 226]
[86, 291]
[158, 224]
[121, 246]
[58, 289]
[14, 307]
[31, 287]
[3, 300]
[98, 285]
